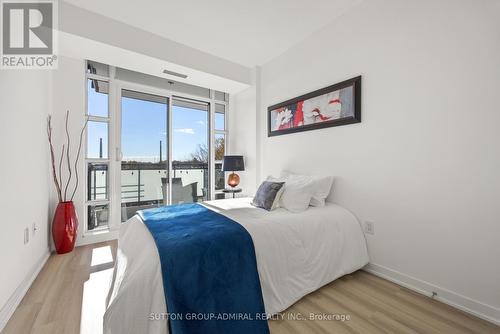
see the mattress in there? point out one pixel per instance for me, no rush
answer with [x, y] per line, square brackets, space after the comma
[296, 253]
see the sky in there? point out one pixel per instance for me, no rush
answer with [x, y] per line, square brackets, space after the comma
[144, 125]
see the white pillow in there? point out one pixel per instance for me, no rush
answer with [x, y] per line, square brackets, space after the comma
[321, 186]
[297, 193]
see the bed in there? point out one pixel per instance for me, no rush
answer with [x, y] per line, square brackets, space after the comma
[296, 254]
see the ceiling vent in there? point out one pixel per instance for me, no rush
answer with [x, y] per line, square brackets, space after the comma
[175, 74]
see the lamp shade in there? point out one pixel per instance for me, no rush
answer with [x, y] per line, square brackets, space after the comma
[232, 163]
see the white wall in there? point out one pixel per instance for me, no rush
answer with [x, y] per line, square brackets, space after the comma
[424, 163]
[69, 94]
[242, 130]
[24, 180]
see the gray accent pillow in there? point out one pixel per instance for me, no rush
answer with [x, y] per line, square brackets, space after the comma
[266, 194]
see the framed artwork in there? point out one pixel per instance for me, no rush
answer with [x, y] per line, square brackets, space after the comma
[335, 105]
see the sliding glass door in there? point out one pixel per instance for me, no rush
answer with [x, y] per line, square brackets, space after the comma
[147, 178]
[190, 151]
[144, 151]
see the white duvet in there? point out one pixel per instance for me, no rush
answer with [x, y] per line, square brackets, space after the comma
[296, 253]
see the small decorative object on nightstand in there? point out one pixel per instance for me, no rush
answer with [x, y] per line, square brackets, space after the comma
[232, 191]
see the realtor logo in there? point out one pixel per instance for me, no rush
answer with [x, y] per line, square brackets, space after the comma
[28, 34]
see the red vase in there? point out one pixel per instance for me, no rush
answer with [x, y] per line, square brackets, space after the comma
[64, 227]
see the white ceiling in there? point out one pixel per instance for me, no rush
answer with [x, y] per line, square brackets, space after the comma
[249, 33]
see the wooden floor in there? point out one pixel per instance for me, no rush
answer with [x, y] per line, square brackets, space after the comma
[69, 293]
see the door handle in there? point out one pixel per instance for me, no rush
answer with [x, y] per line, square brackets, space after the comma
[119, 154]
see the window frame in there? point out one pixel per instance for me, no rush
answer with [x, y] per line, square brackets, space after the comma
[105, 161]
[113, 161]
[215, 132]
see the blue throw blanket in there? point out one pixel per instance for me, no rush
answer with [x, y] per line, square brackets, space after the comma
[209, 271]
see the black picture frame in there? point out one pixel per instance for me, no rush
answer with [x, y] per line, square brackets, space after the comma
[356, 101]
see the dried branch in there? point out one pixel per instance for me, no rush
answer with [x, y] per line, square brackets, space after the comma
[67, 157]
[54, 175]
[77, 157]
[60, 165]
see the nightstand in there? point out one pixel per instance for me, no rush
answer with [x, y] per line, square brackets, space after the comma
[232, 191]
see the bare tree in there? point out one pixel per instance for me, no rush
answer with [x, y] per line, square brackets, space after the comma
[201, 152]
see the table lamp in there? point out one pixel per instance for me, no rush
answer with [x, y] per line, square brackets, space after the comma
[232, 163]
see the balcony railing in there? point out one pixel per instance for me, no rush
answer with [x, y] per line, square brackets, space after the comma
[146, 184]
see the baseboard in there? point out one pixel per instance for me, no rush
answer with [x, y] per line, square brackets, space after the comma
[18, 295]
[474, 307]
